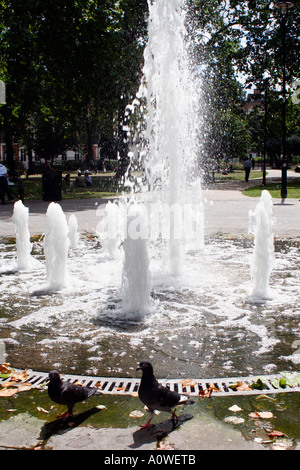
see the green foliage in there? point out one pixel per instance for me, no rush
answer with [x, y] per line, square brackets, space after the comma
[67, 65]
[274, 189]
[234, 38]
[71, 67]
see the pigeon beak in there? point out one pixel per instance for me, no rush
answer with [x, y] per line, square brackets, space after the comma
[138, 368]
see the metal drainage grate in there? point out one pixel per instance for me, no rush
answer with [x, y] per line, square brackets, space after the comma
[193, 387]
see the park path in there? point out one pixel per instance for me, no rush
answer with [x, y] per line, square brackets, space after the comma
[226, 211]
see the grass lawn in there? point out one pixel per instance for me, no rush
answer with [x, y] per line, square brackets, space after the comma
[85, 193]
[104, 185]
[293, 190]
[238, 175]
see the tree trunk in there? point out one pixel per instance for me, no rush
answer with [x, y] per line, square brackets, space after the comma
[29, 155]
[89, 142]
[9, 151]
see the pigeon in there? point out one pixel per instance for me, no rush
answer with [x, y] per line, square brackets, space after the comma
[157, 397]
[67, 393]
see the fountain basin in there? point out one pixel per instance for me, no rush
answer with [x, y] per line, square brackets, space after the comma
[202, 323]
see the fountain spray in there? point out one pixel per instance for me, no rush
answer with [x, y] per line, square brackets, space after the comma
[261, 224]
[56, 247]
[20, 218]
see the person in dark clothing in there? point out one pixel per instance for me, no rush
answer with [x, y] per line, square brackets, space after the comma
[247, 168]
[4, 186]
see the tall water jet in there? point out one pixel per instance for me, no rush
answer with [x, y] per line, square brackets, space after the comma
[111, 229]
[20, 219]
[56, 247]
[169, 157]
[261, 222]
[136, 277]
[73, 231]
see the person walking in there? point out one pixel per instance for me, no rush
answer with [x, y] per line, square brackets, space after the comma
[4, 187]
[247, 168]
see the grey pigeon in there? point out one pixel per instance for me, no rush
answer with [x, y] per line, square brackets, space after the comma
[67, 393]
[157, 397]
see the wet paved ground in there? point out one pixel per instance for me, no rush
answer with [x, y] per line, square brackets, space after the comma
[22, 425]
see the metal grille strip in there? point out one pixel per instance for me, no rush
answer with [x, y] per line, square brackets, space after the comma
[192, 387]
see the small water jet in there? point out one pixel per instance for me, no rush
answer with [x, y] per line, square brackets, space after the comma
[56, 247]
[111, 229]
[136, 277]
[73, 231]
[20, 218]
[261, 223]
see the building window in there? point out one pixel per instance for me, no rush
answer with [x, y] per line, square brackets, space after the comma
[77, 155]
[22, 155]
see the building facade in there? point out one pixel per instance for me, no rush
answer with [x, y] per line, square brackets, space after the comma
[21, 156]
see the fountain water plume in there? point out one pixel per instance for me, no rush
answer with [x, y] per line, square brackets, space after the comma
[73, 231]
[56, 247]
[20, 218]
[136, 277]
[111, 228]
[261, 222]
[170, 152]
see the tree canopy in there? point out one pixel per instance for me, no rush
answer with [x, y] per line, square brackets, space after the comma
[241, 40]
[71, 67]
[66, 66]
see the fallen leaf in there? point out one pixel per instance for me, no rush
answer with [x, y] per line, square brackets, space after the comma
[101, 407]
[136, 414]
[98, 385]
[8, 384]
[276, 434]
[12, 387]
[258, 385]
[213, 388]
[5, 368]
[119, 389]
[265, 397]
[188, 383]
[254, 414]
[234, 420]
[266, 414]
[39, 408]
[235, 408]
[19, 376]
[261, 414]
[283, 444]
[207, 392]
[242, 387]
[24, 387]
[134, 394]
[8, 392]
[164, 446]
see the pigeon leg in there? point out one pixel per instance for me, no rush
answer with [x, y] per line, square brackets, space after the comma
[147, 425]
[174, 417]
[66, 414]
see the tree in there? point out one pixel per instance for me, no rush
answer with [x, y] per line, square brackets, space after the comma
[215, 49]
[66, 63]
[242, 37]
[18, 68]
